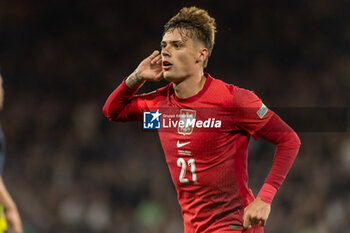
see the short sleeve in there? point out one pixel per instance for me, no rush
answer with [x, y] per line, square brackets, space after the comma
[249, 112]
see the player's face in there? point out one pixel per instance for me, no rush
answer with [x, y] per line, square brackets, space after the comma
[179, 56]
[1, 93]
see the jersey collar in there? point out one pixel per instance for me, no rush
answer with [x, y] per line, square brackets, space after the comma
[196, 96]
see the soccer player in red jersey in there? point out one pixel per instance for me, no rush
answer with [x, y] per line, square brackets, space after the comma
[204, 126]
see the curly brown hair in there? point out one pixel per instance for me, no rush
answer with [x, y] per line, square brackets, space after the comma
[197, 24]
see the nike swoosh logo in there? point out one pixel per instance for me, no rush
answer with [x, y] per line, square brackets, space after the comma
[181, 144]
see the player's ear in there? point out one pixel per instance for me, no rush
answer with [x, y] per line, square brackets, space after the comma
[202, 55]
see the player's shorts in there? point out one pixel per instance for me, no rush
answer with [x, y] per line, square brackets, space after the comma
[3, 223]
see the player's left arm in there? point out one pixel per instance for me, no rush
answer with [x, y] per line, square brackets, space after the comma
[254, 117]
[287, 143]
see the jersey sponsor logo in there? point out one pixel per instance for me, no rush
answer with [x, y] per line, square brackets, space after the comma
[151, 120]
[262, 111]
[179, 145]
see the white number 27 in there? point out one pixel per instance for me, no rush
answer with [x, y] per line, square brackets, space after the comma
[182, 163]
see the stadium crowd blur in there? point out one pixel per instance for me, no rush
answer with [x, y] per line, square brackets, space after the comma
[71, 170]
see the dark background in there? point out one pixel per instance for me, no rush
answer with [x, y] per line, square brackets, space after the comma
[70, 170]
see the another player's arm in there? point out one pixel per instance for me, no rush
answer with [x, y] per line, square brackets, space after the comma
[12, 214]
[122, 105]
[287, 144]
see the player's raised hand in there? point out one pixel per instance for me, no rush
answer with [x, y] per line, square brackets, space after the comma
[256, 213]
[150, 69]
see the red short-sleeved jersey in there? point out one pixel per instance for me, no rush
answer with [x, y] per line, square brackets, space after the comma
[208, 165]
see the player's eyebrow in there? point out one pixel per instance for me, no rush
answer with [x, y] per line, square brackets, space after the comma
[163, 42]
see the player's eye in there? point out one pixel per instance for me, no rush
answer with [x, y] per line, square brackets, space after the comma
[177, 45]
[162, 45]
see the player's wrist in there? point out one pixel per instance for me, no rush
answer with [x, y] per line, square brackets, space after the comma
[134, 80]
[137, 76]
[267, 193]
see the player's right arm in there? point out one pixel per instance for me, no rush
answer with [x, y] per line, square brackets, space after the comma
[122, 104]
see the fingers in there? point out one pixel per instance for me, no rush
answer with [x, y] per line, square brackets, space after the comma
[249, 221]
[254, 221]
[262, 222]
[155, 57]
[246, 221]
[154, 54]
[156, 60]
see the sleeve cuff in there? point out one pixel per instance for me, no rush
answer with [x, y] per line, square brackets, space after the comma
[267, 193]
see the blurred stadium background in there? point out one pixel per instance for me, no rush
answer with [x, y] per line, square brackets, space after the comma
[70, 170]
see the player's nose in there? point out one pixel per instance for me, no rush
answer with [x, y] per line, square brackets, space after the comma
[165, 52]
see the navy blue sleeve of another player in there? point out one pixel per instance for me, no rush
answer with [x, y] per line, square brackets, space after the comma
[2, 150]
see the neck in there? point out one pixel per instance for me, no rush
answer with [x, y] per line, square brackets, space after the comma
[190, 86]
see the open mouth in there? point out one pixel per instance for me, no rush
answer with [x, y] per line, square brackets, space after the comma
[167, 65]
